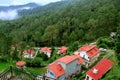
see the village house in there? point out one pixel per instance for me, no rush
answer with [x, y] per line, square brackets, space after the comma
[46, 51]
[89, 53]
[99, 70]
[28, 53]
[62, 50]
[64, 68]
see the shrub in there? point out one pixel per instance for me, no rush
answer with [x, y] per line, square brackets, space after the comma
[36, 62]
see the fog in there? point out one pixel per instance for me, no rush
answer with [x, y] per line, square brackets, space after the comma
[11, 14]
[8, 15]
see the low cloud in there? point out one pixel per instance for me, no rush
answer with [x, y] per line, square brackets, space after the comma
[25, 8]
[8, 15]
[11, 14]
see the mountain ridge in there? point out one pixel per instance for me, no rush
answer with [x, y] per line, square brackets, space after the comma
[12, 7]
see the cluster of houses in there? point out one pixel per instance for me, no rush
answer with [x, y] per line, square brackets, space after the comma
[30, 53]
[65, 67]
[69, 65]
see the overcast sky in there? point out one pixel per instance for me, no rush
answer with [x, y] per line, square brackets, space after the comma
[18, 2]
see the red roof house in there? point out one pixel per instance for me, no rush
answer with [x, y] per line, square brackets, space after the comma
[57, 69]
[63, 50]
[64, 67]
[46, 51]
[88, 52]
[28, 53]
[99, 70]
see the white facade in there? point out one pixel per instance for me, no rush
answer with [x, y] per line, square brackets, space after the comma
[27, 55]
[84, 55]
[48, 54]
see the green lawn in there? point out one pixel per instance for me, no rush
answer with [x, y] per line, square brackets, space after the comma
[39, 71]
[4, 65]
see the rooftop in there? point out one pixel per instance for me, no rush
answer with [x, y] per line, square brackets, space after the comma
[20, 63]
[45, 49]
[57, 69]
[86, 48]
[91, 50]
[101, 68]
[63, 49]
[29, 51]
[67, 59]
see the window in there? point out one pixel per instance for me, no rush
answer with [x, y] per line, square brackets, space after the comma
[51, 73]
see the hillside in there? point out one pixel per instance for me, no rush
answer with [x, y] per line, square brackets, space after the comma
[80, 21]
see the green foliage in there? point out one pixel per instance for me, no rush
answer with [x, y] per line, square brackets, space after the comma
[75, 21]
[5, 43]
[36, 62]
[117, 40]
[106, 42]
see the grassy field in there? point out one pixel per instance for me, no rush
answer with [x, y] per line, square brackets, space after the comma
[39, 71]
[4, 65]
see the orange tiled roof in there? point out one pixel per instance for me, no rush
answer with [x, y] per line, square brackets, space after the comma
[20, 63]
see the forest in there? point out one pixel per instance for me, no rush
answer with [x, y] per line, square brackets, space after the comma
[72, 23]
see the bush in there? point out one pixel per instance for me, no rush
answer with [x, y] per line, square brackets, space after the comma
[105, 42]
[4, 59]
[103, 45]
[36, 62]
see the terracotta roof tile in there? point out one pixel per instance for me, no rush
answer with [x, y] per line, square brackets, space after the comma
[45, 49]
[20, 63]
[29, 51]
[91, 50]
[67, 59]
[63, 49]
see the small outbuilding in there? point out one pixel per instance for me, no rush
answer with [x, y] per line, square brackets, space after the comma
[28, 53]
[20, 64]
[62, 50]
[46, 51]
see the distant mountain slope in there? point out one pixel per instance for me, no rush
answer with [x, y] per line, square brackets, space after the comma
[16, 7]
[80, 21]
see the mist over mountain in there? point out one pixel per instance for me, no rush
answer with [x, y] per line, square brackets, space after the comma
[11, 12]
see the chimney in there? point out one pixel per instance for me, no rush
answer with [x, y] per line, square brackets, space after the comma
[95, 71]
